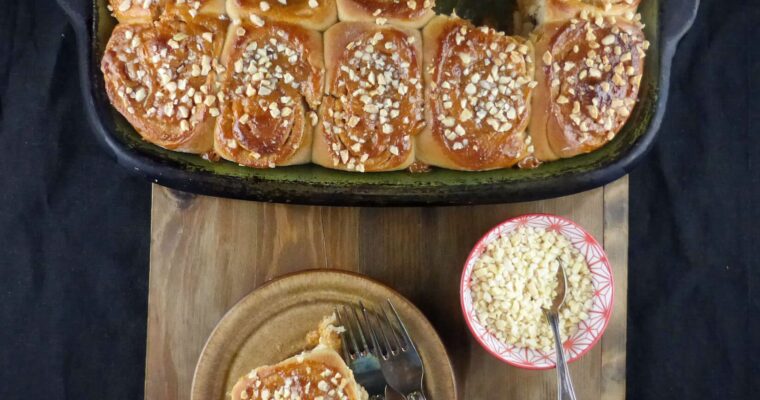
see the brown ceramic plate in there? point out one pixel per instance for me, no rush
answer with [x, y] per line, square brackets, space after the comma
[270, 325]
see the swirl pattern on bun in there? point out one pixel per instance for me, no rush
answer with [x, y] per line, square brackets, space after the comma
[162, 77]
[274, 77]
[374, 104]
[479, 85]
[589, 73]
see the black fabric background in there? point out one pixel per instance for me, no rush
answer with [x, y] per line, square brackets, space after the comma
[74, 226]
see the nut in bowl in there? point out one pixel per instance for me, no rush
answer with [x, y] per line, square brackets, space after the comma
[509, 280]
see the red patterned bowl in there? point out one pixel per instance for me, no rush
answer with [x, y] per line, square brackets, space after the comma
[589, 331]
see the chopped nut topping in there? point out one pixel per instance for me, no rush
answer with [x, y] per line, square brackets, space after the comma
[309, 379]
[376, 102]
[395, 9]
[269, 86]
[515, 280]
[480, 92]
[154, 71]
[594, 72]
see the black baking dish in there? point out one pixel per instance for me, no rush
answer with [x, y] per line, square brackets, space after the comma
[667, 21]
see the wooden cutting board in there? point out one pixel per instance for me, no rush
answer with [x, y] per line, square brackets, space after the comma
[208, 253]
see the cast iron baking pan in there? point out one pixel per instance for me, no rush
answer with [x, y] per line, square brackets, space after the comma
[667, 21]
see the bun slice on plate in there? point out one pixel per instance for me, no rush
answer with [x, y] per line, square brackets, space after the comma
[545, 11]
[406, 13]
[274, 78]
[161, 76]
[588, 71]
[374, 103]
[311, 14]
[479, 85]
[135, 11]
[315, 374]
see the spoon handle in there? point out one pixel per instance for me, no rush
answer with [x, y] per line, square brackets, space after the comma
[565, 390]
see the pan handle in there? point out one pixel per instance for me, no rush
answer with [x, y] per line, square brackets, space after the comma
[79, 12]
[81, 15]
[676, 18]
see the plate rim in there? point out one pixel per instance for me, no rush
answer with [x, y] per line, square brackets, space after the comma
[322, 271]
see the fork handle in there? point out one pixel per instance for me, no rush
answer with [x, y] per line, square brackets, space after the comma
[565, 390]
[416, 395]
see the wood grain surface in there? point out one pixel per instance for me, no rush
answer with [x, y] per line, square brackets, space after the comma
[208, 253]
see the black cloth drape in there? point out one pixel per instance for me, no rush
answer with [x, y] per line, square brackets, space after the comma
[74, 226]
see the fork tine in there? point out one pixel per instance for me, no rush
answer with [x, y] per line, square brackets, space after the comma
[350, 329]
[405, 333]
[376, 350]
[365, 348]
[343, 339]
[392, 330]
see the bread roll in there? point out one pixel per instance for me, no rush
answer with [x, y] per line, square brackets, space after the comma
[374, 103]
[189, 9]
[316, 374]
[479, 84]
[406, 13]
[311, 14]
[545, 11]
[161, 76]
[588, 72]
[274, 78]
[135, 11]
[311, 375]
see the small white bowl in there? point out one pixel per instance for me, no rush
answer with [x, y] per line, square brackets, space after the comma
[589, 330]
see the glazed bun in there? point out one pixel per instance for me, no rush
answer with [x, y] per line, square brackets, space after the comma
[135, 11]
[161, 76]
[190, 9]
[409, 14]
[273, 82]
[588, 71]
[545, 11]
[311, 14]
[479, 85]
[374, 103]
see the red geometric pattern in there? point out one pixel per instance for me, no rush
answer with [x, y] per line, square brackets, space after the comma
[589, 331]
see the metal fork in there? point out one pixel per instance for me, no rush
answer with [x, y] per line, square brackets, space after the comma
[357, 354]
[399, 359]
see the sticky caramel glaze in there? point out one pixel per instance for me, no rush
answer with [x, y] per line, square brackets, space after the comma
[375, 104]
[161, 77]
[274, 77]
[479, 96]
[566, 9]
[136, 11]
[190, 9]
[398, 9]
[562, 10]
[307, 380]
[589, 75]
[295, 11]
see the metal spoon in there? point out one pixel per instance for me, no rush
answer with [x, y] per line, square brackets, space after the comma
[565, 388]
